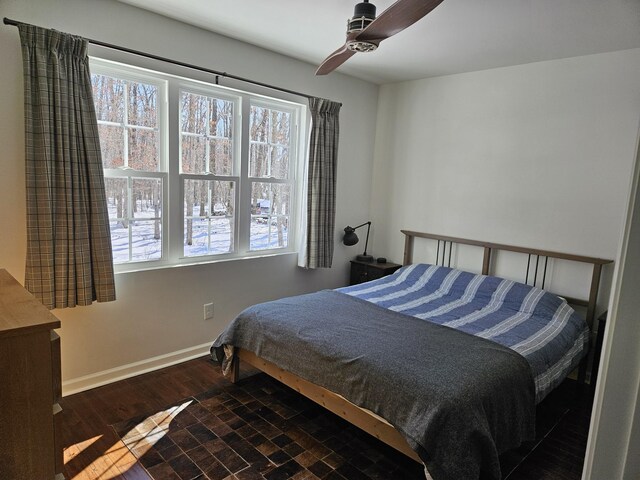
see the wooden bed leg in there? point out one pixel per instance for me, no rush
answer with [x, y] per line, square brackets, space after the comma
[235, 369]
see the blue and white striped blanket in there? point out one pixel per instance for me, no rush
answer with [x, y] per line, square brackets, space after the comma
[538, 325]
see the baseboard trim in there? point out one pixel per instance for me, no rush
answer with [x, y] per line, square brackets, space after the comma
[87, 382]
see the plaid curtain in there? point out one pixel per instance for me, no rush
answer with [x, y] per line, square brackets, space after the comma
[321, 187]
[69, 258]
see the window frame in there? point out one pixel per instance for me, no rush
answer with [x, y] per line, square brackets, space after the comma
[200, 88]
[135, 74]
[293, 173]
[172, 176]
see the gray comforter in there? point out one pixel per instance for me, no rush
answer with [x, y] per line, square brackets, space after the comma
[459, 400]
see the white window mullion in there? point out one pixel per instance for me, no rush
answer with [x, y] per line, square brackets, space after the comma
[269, 154]
[129, 215]
[175, 206]
[125, 127]
[293, 179]
[207, 139]
[211, 207]
[244, 205]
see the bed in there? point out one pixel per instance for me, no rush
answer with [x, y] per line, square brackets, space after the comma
[442, 364]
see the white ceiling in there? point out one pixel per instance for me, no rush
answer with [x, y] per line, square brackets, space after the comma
[458, 36]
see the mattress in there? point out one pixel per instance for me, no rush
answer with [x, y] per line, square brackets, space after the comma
[538, 325]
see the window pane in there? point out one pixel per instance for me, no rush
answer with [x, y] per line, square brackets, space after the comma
[196, 198]
[209, 209]
[280, 162]
[118, 207]
[259, 236]
[133, 239]
[111, 145]
[194, 154]
[193, 113]
[259, 160]
[143, 104]
[268, 232]
[280, 127]
[260, 198]
[279, 232]
[221, 159]
[220, 118]
[143, 150]
[119, 242]
[207, 134]
[270, 208]
[123, 143]
[146, 241]
[281, 199]
[270, 141]
[196, 237]
[147, 198]
[108, 97]
[117, 199]
[210, 236]
[259, 126]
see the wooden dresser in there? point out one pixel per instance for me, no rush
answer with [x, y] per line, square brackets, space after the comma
[30, 386]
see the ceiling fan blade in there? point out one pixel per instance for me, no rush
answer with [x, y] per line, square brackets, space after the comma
[334, 60]
[397, 17]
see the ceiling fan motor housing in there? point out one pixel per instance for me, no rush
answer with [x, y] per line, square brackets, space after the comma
[363, 14]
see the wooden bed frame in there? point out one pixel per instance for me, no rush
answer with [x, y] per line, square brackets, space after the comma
[378, 426]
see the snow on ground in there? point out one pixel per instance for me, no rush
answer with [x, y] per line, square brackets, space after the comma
[210, 236]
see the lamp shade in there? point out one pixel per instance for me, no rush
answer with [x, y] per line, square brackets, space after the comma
[350, 238]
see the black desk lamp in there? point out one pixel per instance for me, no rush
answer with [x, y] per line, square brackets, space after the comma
[350, 238]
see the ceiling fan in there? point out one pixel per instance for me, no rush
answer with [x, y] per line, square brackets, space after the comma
[365, 31]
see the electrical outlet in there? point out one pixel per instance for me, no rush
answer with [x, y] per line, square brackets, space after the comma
[208, 311]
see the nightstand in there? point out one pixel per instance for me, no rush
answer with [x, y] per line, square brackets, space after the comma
[364, 271]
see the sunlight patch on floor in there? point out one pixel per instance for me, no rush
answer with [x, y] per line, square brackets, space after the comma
[100, 468]
[150, 430]
[73, 450]
[118, 458]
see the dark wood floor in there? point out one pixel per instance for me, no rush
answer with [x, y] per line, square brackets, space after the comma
[93, 449]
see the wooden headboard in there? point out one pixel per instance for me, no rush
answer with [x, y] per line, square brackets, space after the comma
[536, 268]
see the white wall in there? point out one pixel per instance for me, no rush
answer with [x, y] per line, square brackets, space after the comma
[536, 155]
[159, 312]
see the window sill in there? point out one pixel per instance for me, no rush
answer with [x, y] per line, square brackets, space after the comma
[143, 267]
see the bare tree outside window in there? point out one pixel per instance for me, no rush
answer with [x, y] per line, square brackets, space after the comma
[127, 114]
[270, 141]
[216, 178]
[207, 150]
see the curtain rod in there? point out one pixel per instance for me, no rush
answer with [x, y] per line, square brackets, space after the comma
[15, 23]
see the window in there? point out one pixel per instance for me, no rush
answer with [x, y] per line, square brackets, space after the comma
[270, 176]
[129, 109]
[223, 185]
[210, 175]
